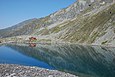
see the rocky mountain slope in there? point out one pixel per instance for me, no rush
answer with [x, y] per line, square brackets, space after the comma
[85, 21]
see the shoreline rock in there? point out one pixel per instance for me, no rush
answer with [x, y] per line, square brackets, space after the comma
[12, 70]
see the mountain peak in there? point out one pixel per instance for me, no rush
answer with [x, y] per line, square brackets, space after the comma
[85, 21]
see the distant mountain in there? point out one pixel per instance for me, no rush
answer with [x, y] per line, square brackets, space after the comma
[24, 27]
[85, 21]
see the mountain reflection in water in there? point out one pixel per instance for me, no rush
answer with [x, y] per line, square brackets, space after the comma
[84, 61]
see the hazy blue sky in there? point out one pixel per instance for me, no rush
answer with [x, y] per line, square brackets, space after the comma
[15, 11]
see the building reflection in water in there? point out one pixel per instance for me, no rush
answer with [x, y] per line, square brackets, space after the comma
[32, 44]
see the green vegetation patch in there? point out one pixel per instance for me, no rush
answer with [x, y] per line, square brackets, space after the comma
[104, 42]
[55, 29]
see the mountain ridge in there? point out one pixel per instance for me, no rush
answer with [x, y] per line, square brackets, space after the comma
[85, 21]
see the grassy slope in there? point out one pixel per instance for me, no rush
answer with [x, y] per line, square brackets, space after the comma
[87, 27]
[84, 29]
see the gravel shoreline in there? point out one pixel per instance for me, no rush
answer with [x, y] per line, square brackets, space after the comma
[11, 70]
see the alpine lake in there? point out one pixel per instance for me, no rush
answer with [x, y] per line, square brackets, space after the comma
[80, 60]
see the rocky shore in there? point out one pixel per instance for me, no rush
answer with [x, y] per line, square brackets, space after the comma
[11, 70]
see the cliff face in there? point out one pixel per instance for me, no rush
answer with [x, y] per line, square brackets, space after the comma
[85, 21]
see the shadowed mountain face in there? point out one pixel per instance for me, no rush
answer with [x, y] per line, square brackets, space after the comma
[84, 61]
[85, 21]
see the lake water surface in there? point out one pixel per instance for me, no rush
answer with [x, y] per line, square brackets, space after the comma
[84, 61]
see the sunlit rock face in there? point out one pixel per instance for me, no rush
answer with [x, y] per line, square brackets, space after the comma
[71, 11]
[107, 1]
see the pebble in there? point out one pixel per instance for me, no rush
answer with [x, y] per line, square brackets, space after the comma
[11, 70]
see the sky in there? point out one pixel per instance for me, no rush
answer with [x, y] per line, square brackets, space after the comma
[13, 12]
